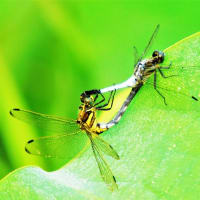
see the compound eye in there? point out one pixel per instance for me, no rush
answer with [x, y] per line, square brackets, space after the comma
[82, 97]
[161, 56]
[155, 53]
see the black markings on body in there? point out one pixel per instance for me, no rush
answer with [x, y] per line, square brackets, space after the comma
[30, 141]
[27, 150]
[114, 179]
[16, 109]
[195, 98]
[11, 113]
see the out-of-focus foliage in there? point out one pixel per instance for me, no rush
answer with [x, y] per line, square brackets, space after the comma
[158, 145]
[51, 51]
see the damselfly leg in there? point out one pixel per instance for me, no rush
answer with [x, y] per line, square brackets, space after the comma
[96, 93]
[111, 98]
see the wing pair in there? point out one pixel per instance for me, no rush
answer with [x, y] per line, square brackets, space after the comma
[69, 133]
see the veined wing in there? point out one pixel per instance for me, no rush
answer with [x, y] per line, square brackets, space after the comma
[180, 91]
[135, 55]
[181, 85]
[57, 146]
[104, 146]
[104, 169]
[181, 69]
[47, 122]
[150, 42]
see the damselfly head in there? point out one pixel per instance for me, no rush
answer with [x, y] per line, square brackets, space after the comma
[83, 96]
[88, 94]
[159, 55]
[87, 99]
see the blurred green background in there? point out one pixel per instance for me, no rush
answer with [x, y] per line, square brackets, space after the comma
[51, 51]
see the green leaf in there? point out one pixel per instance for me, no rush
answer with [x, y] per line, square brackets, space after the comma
[159, 146]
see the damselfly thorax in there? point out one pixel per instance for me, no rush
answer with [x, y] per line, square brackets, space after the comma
[87, 116]
[145, 68]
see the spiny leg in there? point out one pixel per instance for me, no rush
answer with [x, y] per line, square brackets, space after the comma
[122, 110]
[154, 84]
[166, 67]
[89, 93]
[96, 96]
[102, 107]
[104, 99]
[108, 101]
[97, 93]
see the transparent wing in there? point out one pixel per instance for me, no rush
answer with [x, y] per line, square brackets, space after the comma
[181, 70]
[104, 169]
[104, 146]
[181, 88]
[150, 42]
[135, 55]
[59, 146]
[47, 122]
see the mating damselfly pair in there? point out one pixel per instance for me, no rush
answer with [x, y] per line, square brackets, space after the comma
[87, 125]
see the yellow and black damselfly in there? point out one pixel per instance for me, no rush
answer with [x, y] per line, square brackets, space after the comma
[85, 127]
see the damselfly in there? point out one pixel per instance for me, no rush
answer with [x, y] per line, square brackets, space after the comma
[85, 127]
[143, 71]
